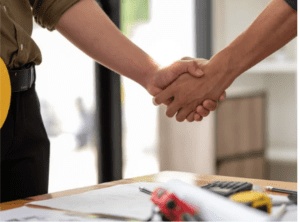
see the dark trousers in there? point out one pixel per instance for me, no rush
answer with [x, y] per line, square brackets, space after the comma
[25, 149]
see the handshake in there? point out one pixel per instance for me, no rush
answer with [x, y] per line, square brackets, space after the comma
[190, 88]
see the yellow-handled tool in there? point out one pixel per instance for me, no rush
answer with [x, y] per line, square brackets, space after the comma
[254, 199]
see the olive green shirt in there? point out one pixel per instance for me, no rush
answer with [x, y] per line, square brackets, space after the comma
[17, 47]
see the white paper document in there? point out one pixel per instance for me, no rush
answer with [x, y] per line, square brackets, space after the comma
[120, 200]
[33, 214]
[290, 212]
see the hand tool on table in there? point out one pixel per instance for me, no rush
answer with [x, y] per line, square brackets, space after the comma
[292, 194]
[254, 199]
[171, 207]
[274, 189]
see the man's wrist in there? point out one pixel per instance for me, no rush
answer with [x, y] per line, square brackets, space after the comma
[229, 65]
[148, 82]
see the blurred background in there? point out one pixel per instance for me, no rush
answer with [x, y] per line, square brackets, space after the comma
[252, 134]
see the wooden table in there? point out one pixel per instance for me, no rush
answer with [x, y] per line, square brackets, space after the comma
[164, 176]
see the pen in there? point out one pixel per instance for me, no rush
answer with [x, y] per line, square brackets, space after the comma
[281, 190]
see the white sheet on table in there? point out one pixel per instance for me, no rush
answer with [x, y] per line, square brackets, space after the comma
[291, 210]
[120, 200]
[33, 214]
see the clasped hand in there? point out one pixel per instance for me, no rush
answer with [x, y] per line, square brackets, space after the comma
[191, 96]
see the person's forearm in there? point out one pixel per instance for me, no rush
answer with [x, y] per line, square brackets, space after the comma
[271, 30]
[89, 28]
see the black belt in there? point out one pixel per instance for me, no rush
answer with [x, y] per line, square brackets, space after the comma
[22, 78]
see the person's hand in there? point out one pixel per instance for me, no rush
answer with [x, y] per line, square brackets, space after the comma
[188, 92]
[162, 77]
[208, 105]
[204, 109]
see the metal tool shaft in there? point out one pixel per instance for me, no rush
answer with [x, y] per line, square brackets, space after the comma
[144, 190]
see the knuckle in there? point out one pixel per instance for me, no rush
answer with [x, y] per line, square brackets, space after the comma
[211, 102]
[176, 63]
[199, 109]
[208, 104]
[156, 101]
[185, 58]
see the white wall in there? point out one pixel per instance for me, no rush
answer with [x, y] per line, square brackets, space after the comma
[182, 146]
[167, 36]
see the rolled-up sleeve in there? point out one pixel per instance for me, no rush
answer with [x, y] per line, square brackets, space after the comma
[48, 12]
[292, 3]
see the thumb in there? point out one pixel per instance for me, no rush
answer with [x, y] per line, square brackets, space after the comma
[186, 66]
[201, 63]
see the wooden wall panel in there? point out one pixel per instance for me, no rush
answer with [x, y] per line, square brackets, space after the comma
[241, 137]
[248, 168]
[240, 125]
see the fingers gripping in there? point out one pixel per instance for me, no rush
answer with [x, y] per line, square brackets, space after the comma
[168, 102]
[193, 116]
[164, 96]
[173, 109]
[198, 117]
[210, 105]
[190, 117]
[184, 112]
[202, 111]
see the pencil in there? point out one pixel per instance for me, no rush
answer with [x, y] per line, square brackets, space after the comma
[281, 190]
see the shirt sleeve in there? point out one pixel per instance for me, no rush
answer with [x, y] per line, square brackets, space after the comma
[48, 12]
[292, 3]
